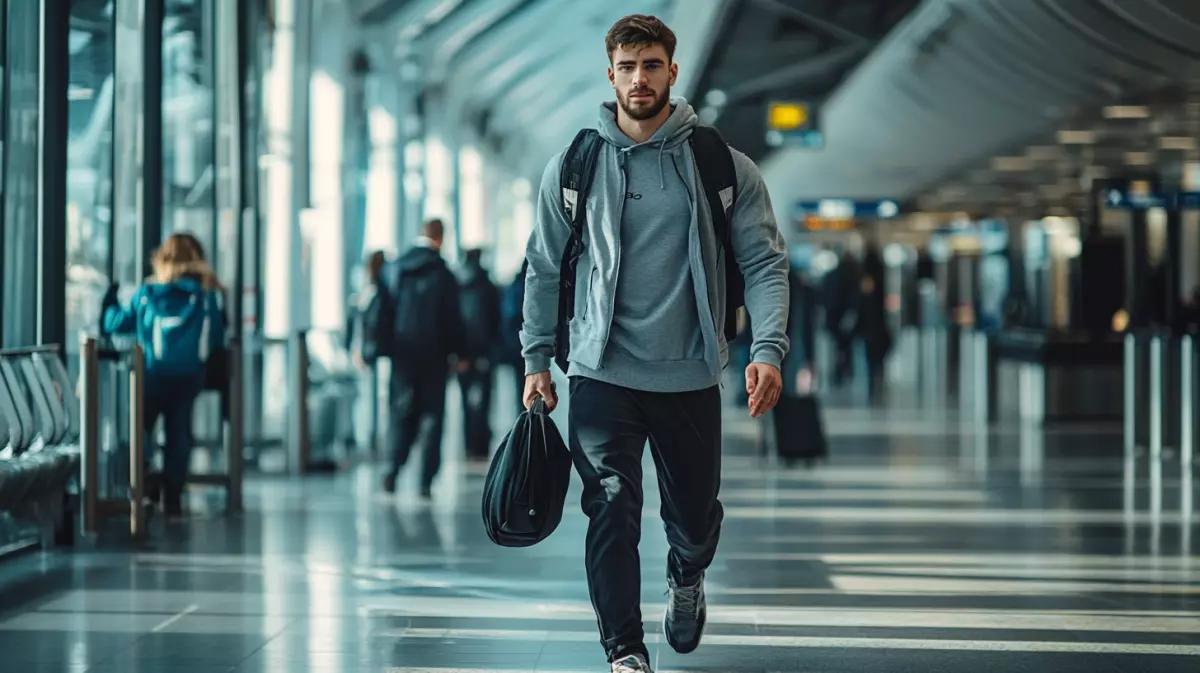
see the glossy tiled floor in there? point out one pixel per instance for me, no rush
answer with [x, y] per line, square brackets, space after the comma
[924, 546]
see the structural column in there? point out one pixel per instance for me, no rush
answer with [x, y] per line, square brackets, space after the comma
[441, 169]
[330, 170]
[52, 212]
[384, 179]
[286, 190]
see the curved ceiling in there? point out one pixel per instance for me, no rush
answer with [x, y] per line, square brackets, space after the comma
[960, 81]
[524, 75]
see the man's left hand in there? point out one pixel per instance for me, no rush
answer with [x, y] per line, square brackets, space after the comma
[763, 383]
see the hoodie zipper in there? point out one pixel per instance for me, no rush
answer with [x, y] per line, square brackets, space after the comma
[612, 300]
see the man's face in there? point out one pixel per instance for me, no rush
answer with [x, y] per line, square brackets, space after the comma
[642, 78]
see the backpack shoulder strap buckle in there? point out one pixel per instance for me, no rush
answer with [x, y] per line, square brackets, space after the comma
[578, 165]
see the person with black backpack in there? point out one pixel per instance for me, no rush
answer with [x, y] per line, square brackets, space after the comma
[419, 328]
[650, 234]
[480, 300]
[509, 346]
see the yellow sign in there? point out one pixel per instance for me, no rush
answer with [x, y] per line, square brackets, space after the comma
[787, 116]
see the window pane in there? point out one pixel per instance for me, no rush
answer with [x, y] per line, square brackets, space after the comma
[89, 165]
[127, 143]
[21, 176]
[188, 175]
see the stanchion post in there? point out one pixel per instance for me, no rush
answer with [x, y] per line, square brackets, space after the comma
[1130, 387]
[1156, 380]
[982, 382]
[89, 433]
[299, 405]
[237, 429]
[374, 376]
[966, 372]
[1186, 403]
[137, 439]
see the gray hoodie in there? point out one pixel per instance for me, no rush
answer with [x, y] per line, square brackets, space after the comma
[650, 290]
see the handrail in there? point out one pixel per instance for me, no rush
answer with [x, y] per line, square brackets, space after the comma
[232, 438]
[27, 351]
[94, 508]
[12, 418]
[61, 378]
[24, 412]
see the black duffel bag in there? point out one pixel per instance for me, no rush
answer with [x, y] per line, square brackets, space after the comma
[527, 482]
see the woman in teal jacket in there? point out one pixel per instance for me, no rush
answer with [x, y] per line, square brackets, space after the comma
[179, 322]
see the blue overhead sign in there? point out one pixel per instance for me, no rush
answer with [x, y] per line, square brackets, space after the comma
[1119, 199]
[847, 209]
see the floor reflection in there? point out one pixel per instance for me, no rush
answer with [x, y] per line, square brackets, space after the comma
[924, 545]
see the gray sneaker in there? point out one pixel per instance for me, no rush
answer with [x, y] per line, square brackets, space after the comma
[687, 612]
[633, 663]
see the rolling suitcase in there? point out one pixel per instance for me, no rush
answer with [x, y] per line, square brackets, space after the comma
[799, 431]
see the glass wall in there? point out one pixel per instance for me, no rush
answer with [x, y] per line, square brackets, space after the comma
[89, 164]
[20, 175]
[188, 111]
[127, 143]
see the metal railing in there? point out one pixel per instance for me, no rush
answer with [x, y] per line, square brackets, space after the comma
[1152, 394]
[94, 507]
[974, 377]
[295, 438]
[231, 436]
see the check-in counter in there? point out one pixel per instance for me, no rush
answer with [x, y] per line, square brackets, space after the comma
[1046, 376]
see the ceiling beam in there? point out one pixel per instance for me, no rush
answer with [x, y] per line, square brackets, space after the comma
[812, 21]
[817, 67]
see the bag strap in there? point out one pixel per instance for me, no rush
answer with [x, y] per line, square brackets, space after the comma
[575, 176]
[719, 177]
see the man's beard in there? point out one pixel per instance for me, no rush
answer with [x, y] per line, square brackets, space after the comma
[644, 112]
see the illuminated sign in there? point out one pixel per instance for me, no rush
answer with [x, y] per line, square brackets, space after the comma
[848, 209]
[1120, 199]
[793, 124]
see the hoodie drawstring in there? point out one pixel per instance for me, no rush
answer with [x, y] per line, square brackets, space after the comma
[662, 146]
[662, 178]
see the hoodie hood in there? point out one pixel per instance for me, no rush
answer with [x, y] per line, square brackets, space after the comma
[419, 257]
[473, 272]
[673, 133]
[188, 284]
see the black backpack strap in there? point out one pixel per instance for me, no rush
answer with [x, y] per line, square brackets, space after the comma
[719, 176]
[575, 177]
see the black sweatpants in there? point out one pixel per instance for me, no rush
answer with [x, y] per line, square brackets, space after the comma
[417, 405]
[609, 427]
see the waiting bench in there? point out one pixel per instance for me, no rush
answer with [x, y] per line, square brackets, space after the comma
[39, 428]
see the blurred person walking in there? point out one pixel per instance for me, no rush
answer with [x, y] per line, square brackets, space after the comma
[419, 328]
[480, 302]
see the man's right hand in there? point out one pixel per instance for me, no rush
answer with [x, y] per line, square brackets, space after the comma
[540, 385]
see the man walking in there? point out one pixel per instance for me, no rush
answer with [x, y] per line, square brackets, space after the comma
[420, 329]
[648, 339]
[480, 299]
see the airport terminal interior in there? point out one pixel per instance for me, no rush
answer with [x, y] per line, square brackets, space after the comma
[983, 459]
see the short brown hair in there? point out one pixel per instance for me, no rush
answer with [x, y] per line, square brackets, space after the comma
[640, 30]
[434, 229]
